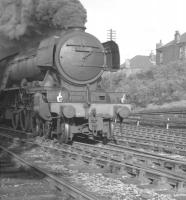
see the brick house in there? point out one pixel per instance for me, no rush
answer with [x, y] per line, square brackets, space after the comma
[172, 51]
[138, 63]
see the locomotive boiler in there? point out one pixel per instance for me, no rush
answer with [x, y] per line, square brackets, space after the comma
[54, 89]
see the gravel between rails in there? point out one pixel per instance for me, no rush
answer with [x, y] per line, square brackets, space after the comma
[96, 180]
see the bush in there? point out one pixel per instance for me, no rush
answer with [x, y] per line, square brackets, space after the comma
[157, 85]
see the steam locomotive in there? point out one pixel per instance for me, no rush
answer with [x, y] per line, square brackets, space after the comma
[54, 89]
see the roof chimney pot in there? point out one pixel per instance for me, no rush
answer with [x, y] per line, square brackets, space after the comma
[177, 36]
[158, 45]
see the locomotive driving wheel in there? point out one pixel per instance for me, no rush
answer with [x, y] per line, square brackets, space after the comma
[65, 128]
[111, 128]
[15, 119]
[36, 126]
[24, 119]
[64, 132]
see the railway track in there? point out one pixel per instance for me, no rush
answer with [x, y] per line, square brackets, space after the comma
[131, 155]
[145, 157]
[22, 180]
[164, 117]
[151, 144]
[172, 140]
[178, 135]
[141, 138]
[141, 173]
[143, 165]
[150, 139]
[167, 162]
[107, 160]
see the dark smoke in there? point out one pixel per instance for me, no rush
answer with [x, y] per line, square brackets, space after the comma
[20, 19]
[24, 23]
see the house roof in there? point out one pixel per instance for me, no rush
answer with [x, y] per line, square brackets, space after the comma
[182, 40]
[141, 61]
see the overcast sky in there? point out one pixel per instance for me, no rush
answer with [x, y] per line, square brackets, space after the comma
[139, 24]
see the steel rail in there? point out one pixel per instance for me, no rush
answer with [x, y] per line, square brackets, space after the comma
[63, 185]
[123, 151]
[150, 172]
[126, 152]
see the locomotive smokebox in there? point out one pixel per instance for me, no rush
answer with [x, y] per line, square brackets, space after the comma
[79, 57]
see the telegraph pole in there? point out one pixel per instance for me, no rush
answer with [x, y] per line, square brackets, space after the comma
[111, 34]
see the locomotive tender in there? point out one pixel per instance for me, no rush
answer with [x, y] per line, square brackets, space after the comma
[54, 88]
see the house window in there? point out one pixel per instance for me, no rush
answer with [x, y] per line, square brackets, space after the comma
[181, 52]
[161, 57]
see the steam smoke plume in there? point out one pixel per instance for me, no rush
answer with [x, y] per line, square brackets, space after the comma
[36, 17]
